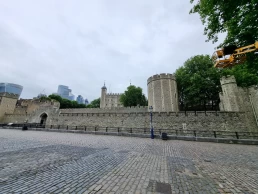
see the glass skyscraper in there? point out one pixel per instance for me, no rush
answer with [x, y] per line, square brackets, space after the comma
[65, 92]
[80, 100]
[11, 88]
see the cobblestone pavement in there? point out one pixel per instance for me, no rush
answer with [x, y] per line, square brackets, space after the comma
[50, 162]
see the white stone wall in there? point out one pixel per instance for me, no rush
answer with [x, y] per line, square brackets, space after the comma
[112, 100]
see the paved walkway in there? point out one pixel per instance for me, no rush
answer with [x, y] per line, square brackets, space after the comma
[49, 162]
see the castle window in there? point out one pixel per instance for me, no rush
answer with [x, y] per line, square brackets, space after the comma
[184, 125]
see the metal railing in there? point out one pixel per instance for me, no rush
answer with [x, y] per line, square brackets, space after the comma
[146, 131]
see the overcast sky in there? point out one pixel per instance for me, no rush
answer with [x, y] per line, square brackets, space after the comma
[81, 43]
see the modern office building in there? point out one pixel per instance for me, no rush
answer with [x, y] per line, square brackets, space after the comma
[65, 92]
[10, 88]
[80, 99]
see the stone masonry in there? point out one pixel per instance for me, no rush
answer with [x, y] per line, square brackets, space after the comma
[7, 104]
[162, 93]
[234, 98]
[109, 100]
[238, 111]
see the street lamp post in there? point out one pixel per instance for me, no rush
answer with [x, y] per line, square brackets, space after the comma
[151, 127]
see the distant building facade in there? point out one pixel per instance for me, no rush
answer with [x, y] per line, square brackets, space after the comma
[109, 100]
[80, 99]
[65, 92]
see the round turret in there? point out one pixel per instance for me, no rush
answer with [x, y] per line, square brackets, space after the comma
[162, 93]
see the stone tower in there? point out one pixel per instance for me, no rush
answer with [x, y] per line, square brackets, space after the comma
[103, 96]
[162, 93]
[230, 95]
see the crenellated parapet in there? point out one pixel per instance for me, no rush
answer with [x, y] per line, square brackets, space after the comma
[106, 110]
[162, 92]
[113, 94]
[161, 76]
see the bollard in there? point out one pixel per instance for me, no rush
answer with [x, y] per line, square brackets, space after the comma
[237, 135]
[67, 127]
[215, 135]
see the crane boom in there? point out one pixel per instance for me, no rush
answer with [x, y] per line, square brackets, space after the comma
[231, 55]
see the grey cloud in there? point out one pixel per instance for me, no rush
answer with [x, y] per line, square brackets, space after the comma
[82, 43]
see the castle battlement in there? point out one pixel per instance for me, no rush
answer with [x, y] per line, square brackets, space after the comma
[106, 110]
[161, 76]
[113, 94]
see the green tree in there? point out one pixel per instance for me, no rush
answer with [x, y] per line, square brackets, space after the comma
[245, 76]
[94, 104]
[238, 18]
[64, 103]
[56, 97]
[198, 84]
[44, 98]
[133, 96]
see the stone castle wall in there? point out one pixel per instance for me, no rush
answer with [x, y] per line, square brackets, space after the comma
[7, 104]
[234, 98]
[30, 111]
[239, 107]
[162, 93]
[209, 121]
[106, 110]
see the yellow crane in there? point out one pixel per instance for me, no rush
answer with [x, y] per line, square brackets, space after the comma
[231, 55]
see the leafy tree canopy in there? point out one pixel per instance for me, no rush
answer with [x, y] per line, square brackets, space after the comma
[236, 17]
[198, 84]
[64, 103]
[133, 96]
[94, 104]
[245, 76]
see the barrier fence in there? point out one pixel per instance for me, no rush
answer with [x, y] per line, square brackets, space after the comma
[170, 132]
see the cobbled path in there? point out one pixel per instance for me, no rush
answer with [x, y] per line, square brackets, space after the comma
[50, 162]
